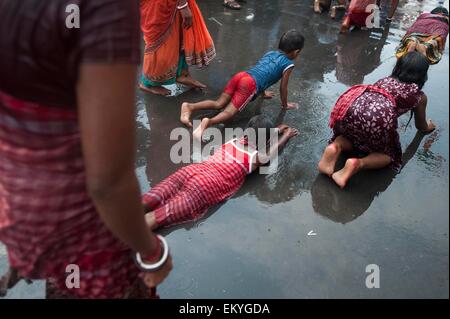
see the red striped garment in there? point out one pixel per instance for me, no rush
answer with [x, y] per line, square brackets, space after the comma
[47, 219]
[187, 194]
[349, 97]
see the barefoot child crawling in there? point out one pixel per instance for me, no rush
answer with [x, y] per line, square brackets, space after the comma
[246, 86]
[365, 117]
[187, 194]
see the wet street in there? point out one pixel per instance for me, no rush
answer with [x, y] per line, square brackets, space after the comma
[293, 233]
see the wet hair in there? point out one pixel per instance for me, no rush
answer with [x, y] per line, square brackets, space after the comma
[254, 127]
[290, 41]
[412, 68]
[440, 10]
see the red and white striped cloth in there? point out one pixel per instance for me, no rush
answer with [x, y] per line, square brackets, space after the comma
[187, 194]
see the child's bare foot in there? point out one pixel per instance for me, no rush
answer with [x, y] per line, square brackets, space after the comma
[345, 27]
[198, 132]
[317, 7]
[352, 166]
[186, 112]
[329, 158]
[189, 81]
[158, 90]
[150, 220]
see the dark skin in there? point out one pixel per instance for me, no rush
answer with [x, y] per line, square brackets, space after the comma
[107, 126]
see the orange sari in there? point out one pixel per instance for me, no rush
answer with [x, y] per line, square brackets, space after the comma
[169, 48]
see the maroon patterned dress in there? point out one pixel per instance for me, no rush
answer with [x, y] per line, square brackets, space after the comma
[371, 121]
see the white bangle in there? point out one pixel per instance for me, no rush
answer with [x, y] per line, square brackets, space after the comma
[155, 266]
[182, 6]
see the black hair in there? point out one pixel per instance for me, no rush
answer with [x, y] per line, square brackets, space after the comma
[257, 125]
[440, 10]
[290, 41]
[412, 68]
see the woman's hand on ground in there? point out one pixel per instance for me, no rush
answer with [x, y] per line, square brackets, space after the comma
[153, 279]
[186, 14]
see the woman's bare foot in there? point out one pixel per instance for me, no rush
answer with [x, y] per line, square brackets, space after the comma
[329, 158]
[158, 90]
[317, 7]
[150, 220]
[352, 166]
[189, 81]
[198, 132]
[186, 112]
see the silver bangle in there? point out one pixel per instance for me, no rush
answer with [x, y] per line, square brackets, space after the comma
[183, 6]
[155, 266]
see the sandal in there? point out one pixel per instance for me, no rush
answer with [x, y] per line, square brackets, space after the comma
[233, 5]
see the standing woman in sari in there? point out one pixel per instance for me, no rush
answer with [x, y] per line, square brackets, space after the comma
[175, 37]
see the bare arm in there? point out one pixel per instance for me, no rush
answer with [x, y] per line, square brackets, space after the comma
[420, 117]
[284, 88]
[106, 116]
[286, 133]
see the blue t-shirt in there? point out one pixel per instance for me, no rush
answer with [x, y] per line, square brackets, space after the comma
[270, 69]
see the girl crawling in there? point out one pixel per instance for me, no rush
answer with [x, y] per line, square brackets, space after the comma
[187, 194]
[365, 117]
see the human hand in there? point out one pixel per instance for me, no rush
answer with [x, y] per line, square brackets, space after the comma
[268, 95]
[153, 279]
[291, 132]
[291, 106]
[186, 14]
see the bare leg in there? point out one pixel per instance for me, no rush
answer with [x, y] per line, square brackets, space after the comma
[354, 165]
[229, 112]
[331, 155]
[393, 9]
[158, 90]
[317, 6]
[345, 27]
[188, 108]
